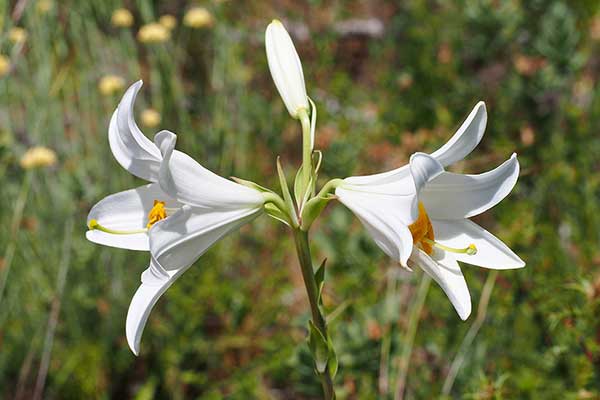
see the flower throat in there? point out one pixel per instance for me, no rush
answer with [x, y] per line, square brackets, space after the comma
[157, 213]
[423, 236]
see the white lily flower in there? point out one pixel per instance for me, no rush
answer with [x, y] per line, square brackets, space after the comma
[127, 211]
[286, 68]
[213, 206]
[177, 220]
[418, 214]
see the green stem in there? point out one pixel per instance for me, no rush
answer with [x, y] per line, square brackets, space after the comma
[306, 148]
[303, 250]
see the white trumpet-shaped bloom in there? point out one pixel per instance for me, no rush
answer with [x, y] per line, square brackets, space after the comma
[286, 68]
[177, 217]
[418, 214]
[212, 207]
[128, 211]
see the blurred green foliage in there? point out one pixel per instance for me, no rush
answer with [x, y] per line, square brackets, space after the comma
[234, 326]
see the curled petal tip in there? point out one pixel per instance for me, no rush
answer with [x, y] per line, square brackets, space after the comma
[423, 169]
[165, 141]
[419, 155]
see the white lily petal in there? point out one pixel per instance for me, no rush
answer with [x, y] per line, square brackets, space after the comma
[491, 252]
[385, 215]
[134, 151]
[466, 138]
[458, 196]
[442, 267]
[125, 211]
[142, 303]
[423, 169]
[183, 237]
[176, 243]
[286, 68]
[386, 210]
[135, 241]
[183, 178]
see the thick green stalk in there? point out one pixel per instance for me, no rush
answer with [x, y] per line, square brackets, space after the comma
[306, 148]
[301, 240]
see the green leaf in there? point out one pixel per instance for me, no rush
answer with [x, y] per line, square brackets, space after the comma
[320, 278]
[313, 208]
[251, 184]
[317, 162]
[320, 273]
[285, 190]
[301, 192]
[299, 187]
[318, 347]
[333, 360]
[274, 212]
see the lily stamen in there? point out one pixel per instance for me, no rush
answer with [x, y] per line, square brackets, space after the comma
[157, 213]
[93, 224]
[470, 249]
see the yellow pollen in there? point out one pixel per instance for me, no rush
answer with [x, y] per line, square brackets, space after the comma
[421, 230]
[157, 213]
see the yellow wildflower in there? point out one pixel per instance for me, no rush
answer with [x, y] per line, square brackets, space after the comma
[150, 118]
[17, 35]
[168, 21]
[153, 33]
[110, 84]
[37, 157]
[43, 6]
[122, 18]
[198, 17]
[4, 65]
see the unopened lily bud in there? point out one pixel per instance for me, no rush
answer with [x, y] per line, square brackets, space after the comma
[286, 68]
[38, 157]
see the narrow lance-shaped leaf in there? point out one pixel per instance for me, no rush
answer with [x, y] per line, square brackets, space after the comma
[320, 279]
[287, 197]
[318, 346]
